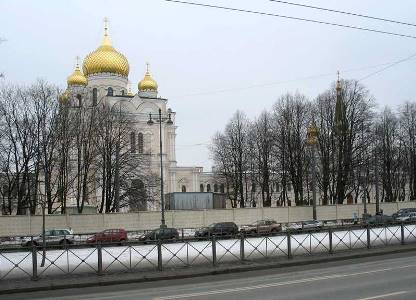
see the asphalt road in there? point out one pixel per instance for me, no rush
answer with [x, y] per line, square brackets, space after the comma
[381, 277]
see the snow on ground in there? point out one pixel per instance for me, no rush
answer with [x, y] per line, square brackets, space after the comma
[181, 254]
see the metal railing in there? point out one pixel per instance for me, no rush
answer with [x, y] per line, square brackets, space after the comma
[133, 255]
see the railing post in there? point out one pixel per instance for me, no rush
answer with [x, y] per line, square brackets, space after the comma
[242, 257]
[289, 245]
[34, 260]
[100, 258]
[331, 250]
[214, 251]
[159, 255]
[368, 237]
[402, 233]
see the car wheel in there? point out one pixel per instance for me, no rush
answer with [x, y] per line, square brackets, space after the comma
[31, 244]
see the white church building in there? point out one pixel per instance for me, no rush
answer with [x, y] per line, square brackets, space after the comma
[104, 81]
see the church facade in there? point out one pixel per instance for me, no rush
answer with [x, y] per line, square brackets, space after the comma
[103, 80]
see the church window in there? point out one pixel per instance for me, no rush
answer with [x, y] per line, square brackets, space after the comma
[94, 97]
[79, 97]
[201, 187]
[215, 188]
[110, 91]
[208, 187]
[222, 188]
[133, 142]
[140, 142]
[183, 189]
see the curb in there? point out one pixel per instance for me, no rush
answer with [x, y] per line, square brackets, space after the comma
[184, 274]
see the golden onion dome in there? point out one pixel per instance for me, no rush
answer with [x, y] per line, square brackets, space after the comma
[63, 98]
[147, 83]
[77, 78]
[106, 59]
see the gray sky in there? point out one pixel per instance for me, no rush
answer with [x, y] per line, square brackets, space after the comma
[197, 52]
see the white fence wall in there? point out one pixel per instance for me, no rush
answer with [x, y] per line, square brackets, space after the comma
[25, 225]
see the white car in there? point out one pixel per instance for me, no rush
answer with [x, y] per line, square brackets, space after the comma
[312, 224]
[52, 237]
[294, 226]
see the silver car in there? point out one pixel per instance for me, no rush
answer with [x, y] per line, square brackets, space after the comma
[52, 237]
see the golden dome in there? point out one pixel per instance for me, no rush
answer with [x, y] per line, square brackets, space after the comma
[105, 59]
[147, 83]
[63, 98]
[77, 78]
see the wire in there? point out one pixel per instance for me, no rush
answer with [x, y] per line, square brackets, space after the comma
[286, 81]
[292, 18]
[389, 66]
[344, 12]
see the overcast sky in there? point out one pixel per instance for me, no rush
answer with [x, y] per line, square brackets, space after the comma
[206, 61]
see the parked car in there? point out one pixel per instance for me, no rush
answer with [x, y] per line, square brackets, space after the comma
[402, 212]
[312, 224]
[108, 236]
[52, 237]
[378, 219]
[294, 226]
[262, 226]
[160, 234]
[217, 229]
[411, 216]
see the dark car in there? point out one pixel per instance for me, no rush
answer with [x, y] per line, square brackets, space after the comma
[108, 236]
[217, 229]
[402, 212]
[160, 234]
[378, 219]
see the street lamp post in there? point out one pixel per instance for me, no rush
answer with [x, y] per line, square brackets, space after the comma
[168, 121]
[312, 141]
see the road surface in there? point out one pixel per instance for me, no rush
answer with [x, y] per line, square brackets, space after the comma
[382, 277]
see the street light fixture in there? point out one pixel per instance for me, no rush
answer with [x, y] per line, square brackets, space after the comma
[312, 140]
[150, 122]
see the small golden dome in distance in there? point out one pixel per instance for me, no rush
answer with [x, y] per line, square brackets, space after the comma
[77, 78]
[338, 86]
[312, 134]
[147, 83]
[106, 59]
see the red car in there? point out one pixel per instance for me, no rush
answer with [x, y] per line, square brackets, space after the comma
[108, 236]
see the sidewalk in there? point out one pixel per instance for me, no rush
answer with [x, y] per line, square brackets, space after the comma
[79, 281]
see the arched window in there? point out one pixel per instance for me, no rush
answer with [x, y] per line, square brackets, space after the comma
[79, 97]
[183, 189]
[215, 188]
[94, 97]
[133, 142]
[208, 187]
[140, 142]
[222, 190]
[201, 187]
[110, 91]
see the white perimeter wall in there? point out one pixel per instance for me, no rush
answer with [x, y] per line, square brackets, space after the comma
[87, 223]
